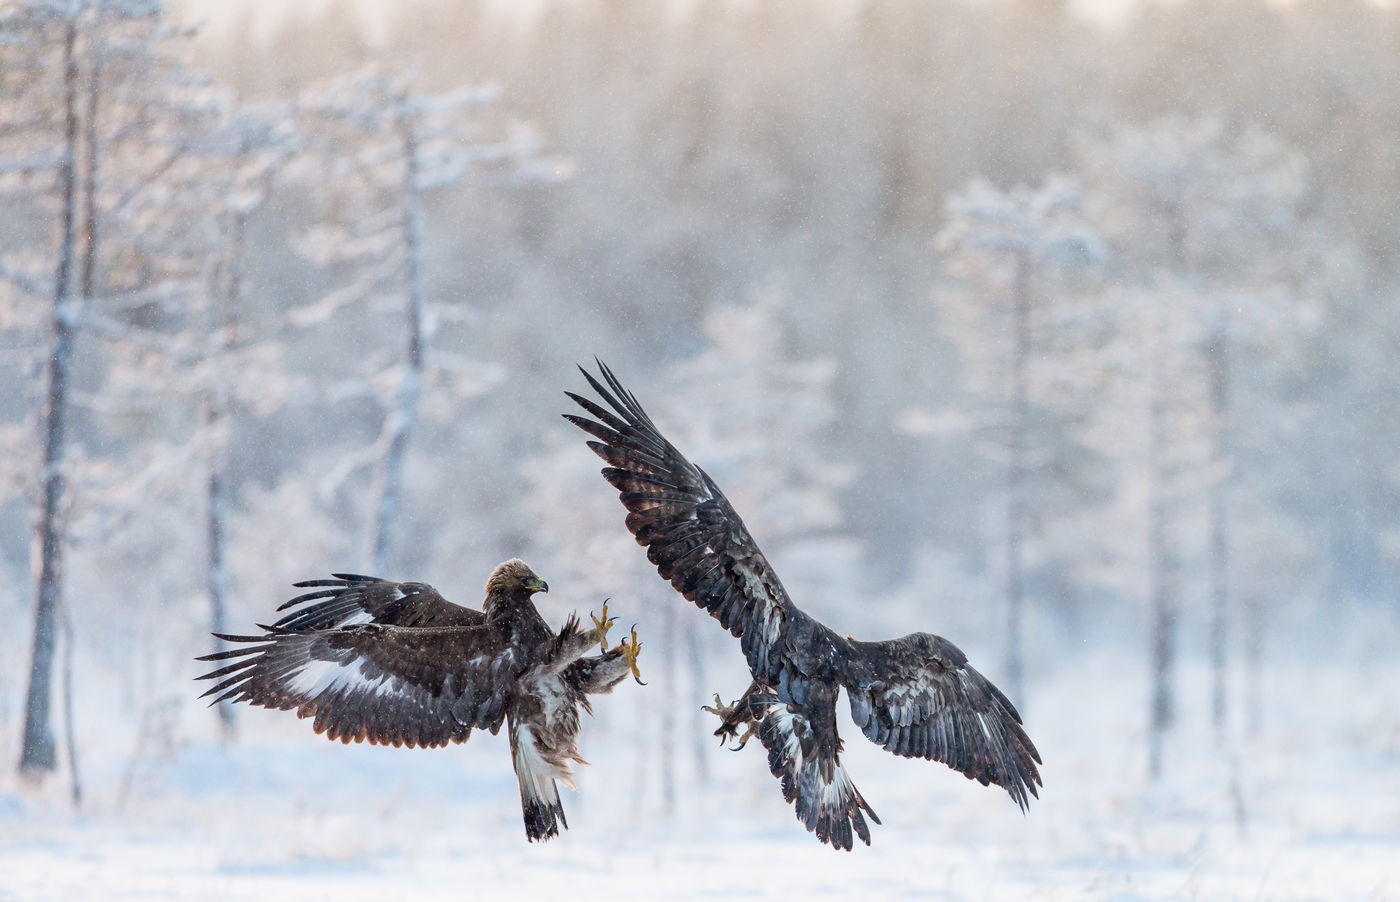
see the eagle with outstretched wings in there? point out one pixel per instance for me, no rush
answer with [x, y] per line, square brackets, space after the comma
[395, 663]
[916, 696]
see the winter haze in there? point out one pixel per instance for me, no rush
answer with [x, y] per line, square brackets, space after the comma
[1065, 331]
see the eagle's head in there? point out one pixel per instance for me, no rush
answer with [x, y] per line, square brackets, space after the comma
[514, 578]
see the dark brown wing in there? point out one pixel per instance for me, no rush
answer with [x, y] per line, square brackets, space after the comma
[388, 685]
[350, 599]
[919, 698]
[690, 531]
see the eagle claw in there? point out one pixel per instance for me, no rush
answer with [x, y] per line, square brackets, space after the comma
[729, 727]
[602, 623]
[630, 650]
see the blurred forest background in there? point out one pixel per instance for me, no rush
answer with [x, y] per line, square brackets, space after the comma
[1039, 331]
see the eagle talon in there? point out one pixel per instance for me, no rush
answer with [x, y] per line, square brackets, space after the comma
[630, 650]
[602, 623]
[728, 729]
[743, 739]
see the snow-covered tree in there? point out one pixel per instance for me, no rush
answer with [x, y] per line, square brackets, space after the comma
[80, 56]
[1196, 213]
[384, 145]
[150, 174]
[255, 143]
[1011, 248]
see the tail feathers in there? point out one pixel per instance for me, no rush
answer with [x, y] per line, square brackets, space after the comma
[544, 814]
[826, 801]
[539, 792]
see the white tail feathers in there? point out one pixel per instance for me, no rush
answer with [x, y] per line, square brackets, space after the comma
[539, 793]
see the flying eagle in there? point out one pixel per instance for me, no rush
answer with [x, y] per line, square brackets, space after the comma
[397, 664]
[917, 696]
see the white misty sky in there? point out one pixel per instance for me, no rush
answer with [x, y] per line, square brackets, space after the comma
[374, 16]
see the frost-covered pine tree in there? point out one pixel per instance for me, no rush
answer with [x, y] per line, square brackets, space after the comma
[251, 146]
[145, 172]
[53, 38]
[1198, 216]
[73, 59]
[1010, 249]
[384, 146]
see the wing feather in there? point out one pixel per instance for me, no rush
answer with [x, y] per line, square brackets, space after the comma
[919, 698]
[691, 532]
[388, 685]
[350, 598]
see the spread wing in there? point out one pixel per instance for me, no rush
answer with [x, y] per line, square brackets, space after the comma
[388, 685]
[349, 599]
[919, 698]
[690, 531]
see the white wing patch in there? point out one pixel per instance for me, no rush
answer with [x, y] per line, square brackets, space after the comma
[784, 722]
[318, 676]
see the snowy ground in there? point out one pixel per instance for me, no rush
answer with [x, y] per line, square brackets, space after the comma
[1312, 811]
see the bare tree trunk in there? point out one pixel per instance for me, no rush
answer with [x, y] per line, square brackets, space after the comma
[37, 757]
[401, 421]
[667, 751]
[1164, 576]
[1218, 361]
[87, 277]
[68, 720]
[1016, 483]
[223, 318]
[87, 272]
[1253, 664]
[698, 690]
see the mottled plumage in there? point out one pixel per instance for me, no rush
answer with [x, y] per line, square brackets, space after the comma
[916, 696]
[393, 663]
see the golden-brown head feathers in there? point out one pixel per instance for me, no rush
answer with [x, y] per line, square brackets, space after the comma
[514, 577]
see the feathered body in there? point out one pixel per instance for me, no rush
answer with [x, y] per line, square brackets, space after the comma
[915, 696]
[395, 663]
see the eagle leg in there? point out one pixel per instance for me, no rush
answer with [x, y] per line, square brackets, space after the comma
[731, 718]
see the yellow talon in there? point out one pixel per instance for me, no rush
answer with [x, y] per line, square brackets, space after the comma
[727, 729]
[718, 709]
[631, 650]
[603, 623]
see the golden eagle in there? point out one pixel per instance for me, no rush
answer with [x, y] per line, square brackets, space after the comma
[397, 664]
[916, 696]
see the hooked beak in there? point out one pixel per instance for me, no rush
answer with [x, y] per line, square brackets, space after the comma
[537, 585]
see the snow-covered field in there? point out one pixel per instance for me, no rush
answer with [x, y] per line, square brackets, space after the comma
[1309, 809]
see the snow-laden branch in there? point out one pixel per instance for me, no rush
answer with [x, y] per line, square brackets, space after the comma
[36, 162]
[1043, 224]
[29, 284]
[168, 293]
[177, 348]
